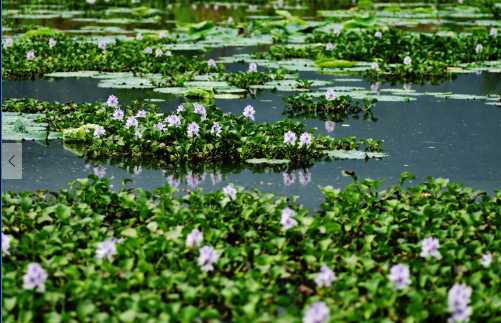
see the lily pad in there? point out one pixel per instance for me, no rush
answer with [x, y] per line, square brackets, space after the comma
[354, 154]
[260, 161]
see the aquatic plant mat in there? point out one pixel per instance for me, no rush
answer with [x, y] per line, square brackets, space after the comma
[133, 255]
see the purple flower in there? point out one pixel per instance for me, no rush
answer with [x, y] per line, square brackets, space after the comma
[458, 303]
[193, 130]
[216, 129]
[99, 132]
[112, 101]
[160, 126]
[106, 249]
[479, 48]
[230, 192]
[288, 179]
[325, 277]
[407, 60]
[212, 63]
[148, 50]
[200, 110]
[131, 122]
[493, 32]
[173, 120]
[158, 52]
[400, 276]
[252, 67]
[139, 36]
[8, 42]
[174, 182]
[52, 42]
[378, 34]
[35, 277]
[486, 260]
[305, 139]
[99, 171]
[429, 247]
[329, 46]
[317, 313]
[30, 55]
[290, 138]
[118, 114]
[180, 108]
[287, 219]
[375, 66]
[194, 239]
[208, 257]
[330, 126]
[249, 112]
[162, 34]
[337, 29]
[6, 244]
[102, 45]
[141, 114]
[330, 95]
[375, 87]
[193, 180]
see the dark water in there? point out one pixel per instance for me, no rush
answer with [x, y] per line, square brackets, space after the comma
[457, 139]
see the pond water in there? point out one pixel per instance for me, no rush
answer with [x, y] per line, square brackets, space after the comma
[457, 139]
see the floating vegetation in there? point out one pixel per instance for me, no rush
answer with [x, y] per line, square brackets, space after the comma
[25, 126]
[246, 254]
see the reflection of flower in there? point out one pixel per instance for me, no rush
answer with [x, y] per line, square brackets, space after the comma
[330, 126]
[288, 179]
[216, 178]
[99, 171]
[304, 177]
[375, 87]
[174, 182]
[400, 276]
[193, 180]
[375, 66]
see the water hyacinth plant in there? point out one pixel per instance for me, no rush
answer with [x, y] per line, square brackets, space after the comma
[102, 131]
[260, 256]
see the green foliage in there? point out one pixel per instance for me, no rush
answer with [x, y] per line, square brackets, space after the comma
[264, 273]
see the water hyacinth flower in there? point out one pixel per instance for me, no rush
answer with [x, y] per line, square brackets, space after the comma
[200, 110]
[193, 130]
[407, 60]
[216, 129]
[162, 34]
[479, 48]
[99, 171]
[330, 95]
[305, 139]
[118, 114]
[458, 300]
[330, 126]
[52, 42]
[208, 257]
[230, 192]
[287, 218]
[249, 112]
[106, 249]
[252, 67]
[173, 120]
[8, 42]
[112, 101]
[148, 50]
[429, 248]
[493, 32]
[400, 276]
[131, 122]
[99, 132]
[337, 29]
[212, 63]
[139, 36]
[485, 261]
[317, 313]
[325, 277]
[30, 55]
[141, 114]
[194, 239]
[158, 52]
[329, 46]
[180, 108]
[230, 20]
[288, 178]
[375, 66]
[35, 277]
[160, 126]
[378, 34]
[290, 138]
[5, 244]
[102, 45]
